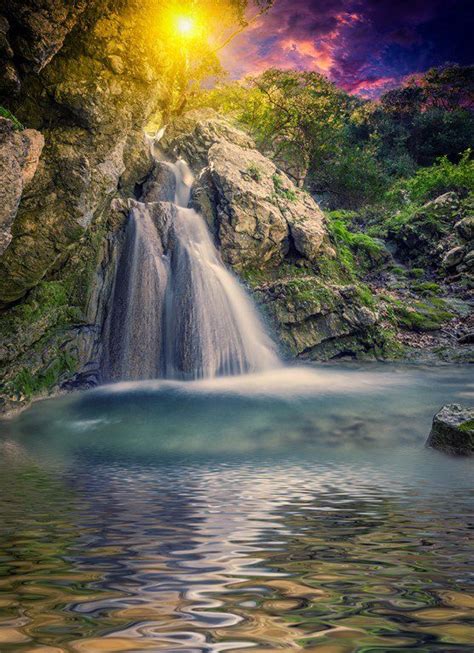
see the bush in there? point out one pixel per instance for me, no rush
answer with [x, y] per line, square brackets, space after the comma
[428, 183]
[353, 247]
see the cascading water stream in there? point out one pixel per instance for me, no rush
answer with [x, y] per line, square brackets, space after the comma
[177, 312]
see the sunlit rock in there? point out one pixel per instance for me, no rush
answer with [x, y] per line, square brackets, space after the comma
[19, 156]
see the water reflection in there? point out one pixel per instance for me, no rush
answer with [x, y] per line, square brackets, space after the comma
[365, 548]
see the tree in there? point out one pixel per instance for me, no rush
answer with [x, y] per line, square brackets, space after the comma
[192, 35]
[303, 122]
[430, 116]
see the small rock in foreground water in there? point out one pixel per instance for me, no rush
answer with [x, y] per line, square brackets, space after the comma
[453, 430]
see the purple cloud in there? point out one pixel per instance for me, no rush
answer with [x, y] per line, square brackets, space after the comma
[365, 46]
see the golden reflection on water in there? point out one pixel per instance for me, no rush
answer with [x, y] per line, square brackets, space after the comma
[262, 558]
[110, 543]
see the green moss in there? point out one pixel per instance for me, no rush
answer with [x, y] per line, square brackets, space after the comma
[419, 316]
[259, 276]
[468, 426]
[255, 277]
[4, 113]
[398, 271]
[416, 273]
[357, 252]
[281, 190]
[426, 288]
[384, 343]
[310, 290]
[28, 383]
[48, 304]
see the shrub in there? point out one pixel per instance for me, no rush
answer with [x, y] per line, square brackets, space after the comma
[428, 183]
[280, 190]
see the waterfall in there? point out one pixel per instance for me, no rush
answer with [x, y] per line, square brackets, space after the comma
[177, 312]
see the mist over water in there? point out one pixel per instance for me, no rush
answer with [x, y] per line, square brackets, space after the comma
[261, 511]
[177, 311]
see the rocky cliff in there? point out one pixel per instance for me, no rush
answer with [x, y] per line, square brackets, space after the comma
[81, 82]
[275, 236]
[84, 78]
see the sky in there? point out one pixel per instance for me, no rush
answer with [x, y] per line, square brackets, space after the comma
[364, 46]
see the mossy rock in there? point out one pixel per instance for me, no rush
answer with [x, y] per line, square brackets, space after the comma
[453, 430]
[426, 288]
[429, 315]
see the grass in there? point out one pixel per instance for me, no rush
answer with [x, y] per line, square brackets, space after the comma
[356, 252]
[366, 296]
[426, 288]
[5, 113]
[416, 273]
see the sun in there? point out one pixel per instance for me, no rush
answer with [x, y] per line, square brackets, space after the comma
[185, 25]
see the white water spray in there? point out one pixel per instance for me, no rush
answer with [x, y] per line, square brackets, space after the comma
[177, 311]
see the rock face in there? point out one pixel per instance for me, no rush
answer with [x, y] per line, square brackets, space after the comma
[19, 156]
[317, 320]
[453, 430]
[275, 236]
[30, 35]
[90, 83]
[84, 77]
[464, 257]
[417, 241]
[257, 214]
[440, 238]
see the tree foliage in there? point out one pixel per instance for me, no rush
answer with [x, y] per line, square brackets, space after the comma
[345, 150]
[302, 120]
[191, 58]
[428, 117]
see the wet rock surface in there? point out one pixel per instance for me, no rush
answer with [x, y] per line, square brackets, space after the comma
[453, 430]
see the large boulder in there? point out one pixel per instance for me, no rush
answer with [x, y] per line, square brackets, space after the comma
[274, 235]
[319, 320]
[257, 214]
[465, 228]
[453, 430]
[19, 156]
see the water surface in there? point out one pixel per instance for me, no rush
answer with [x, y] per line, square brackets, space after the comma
[289, 510]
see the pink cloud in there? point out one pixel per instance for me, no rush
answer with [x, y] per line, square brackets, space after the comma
[364, 46]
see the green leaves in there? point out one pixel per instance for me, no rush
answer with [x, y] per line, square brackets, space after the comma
[5, 113]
